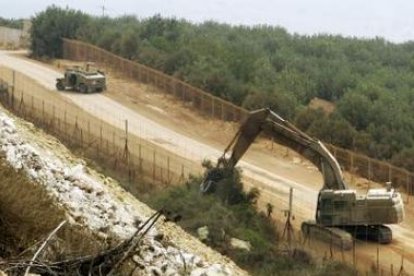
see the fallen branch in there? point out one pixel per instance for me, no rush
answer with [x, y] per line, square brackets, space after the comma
[44, 245]
[104, 263]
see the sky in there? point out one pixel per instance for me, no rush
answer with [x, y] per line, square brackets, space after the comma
[391, 19]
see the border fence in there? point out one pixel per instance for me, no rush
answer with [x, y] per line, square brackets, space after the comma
[128, 154]
[135, 160]
[217, 108]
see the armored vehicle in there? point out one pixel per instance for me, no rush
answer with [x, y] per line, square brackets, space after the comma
[84, 80]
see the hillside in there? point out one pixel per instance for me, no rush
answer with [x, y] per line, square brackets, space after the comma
[53, 185]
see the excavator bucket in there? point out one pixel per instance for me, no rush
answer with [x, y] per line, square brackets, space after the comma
[211, 178]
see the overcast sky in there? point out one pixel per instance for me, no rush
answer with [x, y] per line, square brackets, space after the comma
[391, 19]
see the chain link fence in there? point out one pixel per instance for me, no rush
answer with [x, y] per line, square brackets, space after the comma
[11, 38]
[133, 157]
[140, 162]
[215, 107]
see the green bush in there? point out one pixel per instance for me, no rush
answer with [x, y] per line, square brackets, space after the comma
[236, 217]
[50, 26]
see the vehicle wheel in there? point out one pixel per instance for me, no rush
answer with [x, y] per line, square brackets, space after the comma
[83, 88]
[59, 86]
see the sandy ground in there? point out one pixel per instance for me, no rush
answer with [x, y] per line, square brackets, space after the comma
[170, 124]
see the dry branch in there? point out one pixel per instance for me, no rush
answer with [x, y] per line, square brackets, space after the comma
[106, 262]
[44, 245]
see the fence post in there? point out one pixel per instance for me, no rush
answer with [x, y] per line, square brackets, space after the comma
[21, 104]
[100, 139]
[126, 150]
[89, 131]
[378, 268]
[43, 111]
[407, 188]
[140, 158]
[168, 170]
[212, 107]
[113, 141]
[81, 138]
[182, 171]
[369, 169]
[351, 156]
[353, 253]
[64, 120]
[153, 167]
[53, 117]
[389, 173]
[58, 126]
[12, 89]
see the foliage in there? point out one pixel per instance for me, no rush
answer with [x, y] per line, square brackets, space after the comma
[48, 28]
[239, 220]
[11, 23]
[369, 80]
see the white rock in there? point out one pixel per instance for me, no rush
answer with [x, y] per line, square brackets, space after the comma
[88, 203]
[240, 244]
[202, 233]
[213, 270]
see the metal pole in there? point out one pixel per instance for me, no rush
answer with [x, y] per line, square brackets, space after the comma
[153, 168]
[168, 170]
[13, 87]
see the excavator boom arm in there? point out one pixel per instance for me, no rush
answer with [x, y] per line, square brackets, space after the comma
[284, 133]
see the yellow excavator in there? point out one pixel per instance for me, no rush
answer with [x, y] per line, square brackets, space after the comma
[341, 213]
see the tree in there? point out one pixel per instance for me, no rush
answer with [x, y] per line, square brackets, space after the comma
[355, 107]
[50, 26]
[279, 101]
[129, 44]
[404, 159]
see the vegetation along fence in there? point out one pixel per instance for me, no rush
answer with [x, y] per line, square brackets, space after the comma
[215, 107]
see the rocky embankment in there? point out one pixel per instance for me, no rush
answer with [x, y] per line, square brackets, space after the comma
[99, 204]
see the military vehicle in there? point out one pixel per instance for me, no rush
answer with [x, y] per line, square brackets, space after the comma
[341, 213]
[84, 80]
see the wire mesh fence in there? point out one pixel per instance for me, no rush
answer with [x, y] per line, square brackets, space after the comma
[215, 107]
[96, 138]
[10, 37]
[140, 162]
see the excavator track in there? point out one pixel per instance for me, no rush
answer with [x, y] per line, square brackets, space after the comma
[376, 233]
[334, 235]
[342, 236]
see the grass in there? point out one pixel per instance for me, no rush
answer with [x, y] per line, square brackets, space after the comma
[28, 214]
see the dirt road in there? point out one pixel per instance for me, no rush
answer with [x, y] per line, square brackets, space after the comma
[274, 176]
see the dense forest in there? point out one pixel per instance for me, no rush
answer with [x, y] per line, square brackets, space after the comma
[370, 81]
